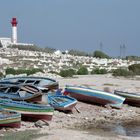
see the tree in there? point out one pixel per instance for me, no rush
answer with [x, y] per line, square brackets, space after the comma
[99, 71]
[10, 71]
[82, 71]
[67, 73]
[122, 72]
[135, 68]
[133, 58]
[78, 53]
[49, 50]
[99, 54]
[22, 71]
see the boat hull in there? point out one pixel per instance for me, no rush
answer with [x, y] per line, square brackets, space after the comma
[9, 119]
[12, 124]
[61, 102]
[69, 108]
[28, 93]
[89, 99]
[34, 117]
[131, 98]
[94, 96]
[37, 81]
[28, 111]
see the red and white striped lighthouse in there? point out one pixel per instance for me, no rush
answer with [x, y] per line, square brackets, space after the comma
[14, 30]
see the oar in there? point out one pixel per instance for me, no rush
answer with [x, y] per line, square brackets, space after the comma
[77, 110]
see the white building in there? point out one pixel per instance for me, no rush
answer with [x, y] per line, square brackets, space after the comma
[5, 42]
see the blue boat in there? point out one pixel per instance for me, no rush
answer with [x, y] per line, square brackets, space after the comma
[32, 80]
[90, 95]
[62, 102]
[9, 118]
[29, 111]
[20, 92]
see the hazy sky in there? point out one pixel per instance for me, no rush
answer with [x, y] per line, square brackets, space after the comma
[75, 24]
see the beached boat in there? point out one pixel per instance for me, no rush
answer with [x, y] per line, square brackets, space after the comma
[61, 102]
[37, 81]
[94, 96]
[20, 92]
[9, 118]
[29, 111]
[131, 98]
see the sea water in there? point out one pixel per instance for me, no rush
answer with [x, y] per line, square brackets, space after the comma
[130, 129]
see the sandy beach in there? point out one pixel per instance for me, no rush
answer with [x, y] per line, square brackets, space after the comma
[93, 121]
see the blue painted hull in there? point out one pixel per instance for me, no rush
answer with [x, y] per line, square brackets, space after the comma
[29, 111]
[20, 92]
[61, 102]
[94, 96]
[37, 81]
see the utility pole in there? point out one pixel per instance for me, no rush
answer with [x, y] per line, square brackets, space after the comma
[124, 49]
[120, 51]
[101, 46]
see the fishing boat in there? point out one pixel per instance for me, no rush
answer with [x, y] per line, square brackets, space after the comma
[9, 118]
[131, 98]
[29, 111]
[20, 92]
[90, 95]
[61, 102]
[37, 81]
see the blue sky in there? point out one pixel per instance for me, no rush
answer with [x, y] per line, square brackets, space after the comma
[75, 24]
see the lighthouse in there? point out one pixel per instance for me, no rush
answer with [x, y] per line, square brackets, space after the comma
[14, 30]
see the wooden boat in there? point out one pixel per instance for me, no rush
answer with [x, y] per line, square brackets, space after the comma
[29, 111]
[9, 118]
[20, 92]
[37, 81]
[62, 102]
[94, 96]
[131, 98]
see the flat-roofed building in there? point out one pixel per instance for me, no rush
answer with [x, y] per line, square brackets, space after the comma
[5, 42]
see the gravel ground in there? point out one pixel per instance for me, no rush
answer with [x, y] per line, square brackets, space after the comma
[77, 125]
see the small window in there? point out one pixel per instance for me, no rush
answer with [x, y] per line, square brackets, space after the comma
[21, 81]
[36, 82]
[3, 89]
[30, 81]
[13, 89]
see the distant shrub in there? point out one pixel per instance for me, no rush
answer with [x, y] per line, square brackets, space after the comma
[78, 53]
[82, 71]
[100, 54]
[10, 71]
[22, 71]
[99, 71]
[133, 58]
[53, 72]
[135, 68]
[67, 73]
[122, 72]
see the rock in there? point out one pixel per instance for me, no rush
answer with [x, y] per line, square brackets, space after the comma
[86, 118]
[108, 106]
[107, 89]
[7, 129]
[69, 115]
[56, 112]
[138, 110]
[3, 130]
[41, 123]
[1, 135]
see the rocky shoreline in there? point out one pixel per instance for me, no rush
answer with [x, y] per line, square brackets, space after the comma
[86, 117]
